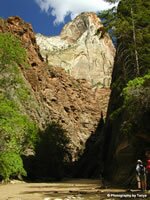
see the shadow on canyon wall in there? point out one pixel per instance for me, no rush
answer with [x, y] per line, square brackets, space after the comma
[90, 163]
[52, 159]
[52, 155]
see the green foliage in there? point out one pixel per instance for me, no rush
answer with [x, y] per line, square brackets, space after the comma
[108, 18]
[137, 89]
[137, 105]
[129, 25]
[127, 127]
[11, 51]
[133, 114]
[12, 54]
[18, 134]
[127, 130]
[17, 131]
[11, 165]
[115, 114]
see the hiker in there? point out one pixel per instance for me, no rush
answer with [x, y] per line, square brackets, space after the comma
[141, 175]
[148, 173]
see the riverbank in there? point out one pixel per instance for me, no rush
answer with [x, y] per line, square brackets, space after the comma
[80, 189]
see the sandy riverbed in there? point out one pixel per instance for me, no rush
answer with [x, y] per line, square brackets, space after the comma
[65, 190]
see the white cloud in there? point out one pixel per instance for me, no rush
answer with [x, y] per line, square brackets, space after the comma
[61, 8]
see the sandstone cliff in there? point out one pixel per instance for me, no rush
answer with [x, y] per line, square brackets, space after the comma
[83, 49]
[54, 95]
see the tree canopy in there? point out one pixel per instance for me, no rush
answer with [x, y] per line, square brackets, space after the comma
[17, 131]
[129, 24]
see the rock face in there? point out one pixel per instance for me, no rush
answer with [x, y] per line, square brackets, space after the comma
[54, 95]
[83, 49]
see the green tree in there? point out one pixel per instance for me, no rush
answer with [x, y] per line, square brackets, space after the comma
[18, 133]
[129, 24]
[137, 104]
[11, 165]
[129, 109]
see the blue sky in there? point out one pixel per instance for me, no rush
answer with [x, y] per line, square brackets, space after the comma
[30, 12]
[48, 16]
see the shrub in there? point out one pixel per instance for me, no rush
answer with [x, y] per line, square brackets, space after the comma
[17, 131]
[11, 50]
[11, 165]
[137, 92]
[137, 105]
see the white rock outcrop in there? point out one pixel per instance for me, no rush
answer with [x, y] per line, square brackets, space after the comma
[83, 49]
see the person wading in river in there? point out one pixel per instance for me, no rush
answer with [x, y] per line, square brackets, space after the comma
[141, 175]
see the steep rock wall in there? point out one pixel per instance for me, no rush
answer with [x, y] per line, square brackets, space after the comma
[83, 49]
[54, 95]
